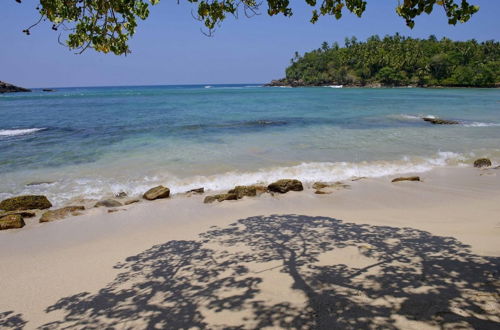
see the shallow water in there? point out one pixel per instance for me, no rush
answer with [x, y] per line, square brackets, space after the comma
[96, 141]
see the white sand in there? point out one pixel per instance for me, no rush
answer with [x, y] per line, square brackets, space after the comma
[346, 276]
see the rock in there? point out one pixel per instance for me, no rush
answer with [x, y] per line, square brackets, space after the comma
[439, 121]
[409, 178]
[131, 201]
[108, 203]
[220, 198]
[8, 88]
[196, 191]
[61, 213]
[285, 185]
[482, 162]
[321, 192]
[26, 202]
[11, 221]
[320, 185]
[156, 193]
[121, 194]
[24, 214]
[242, 191]
[48, 90]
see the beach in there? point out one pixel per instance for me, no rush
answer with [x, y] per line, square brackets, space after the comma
[408, 255]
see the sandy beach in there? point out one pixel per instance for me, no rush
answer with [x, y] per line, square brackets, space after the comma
[408, 255]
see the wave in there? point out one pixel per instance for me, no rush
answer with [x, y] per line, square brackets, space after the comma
[66, 190]
[21, 131]
[407, 117]
[479, 124]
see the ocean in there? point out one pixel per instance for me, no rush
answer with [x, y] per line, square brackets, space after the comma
[95, 142]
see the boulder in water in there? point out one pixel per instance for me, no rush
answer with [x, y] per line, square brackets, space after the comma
[482, 162]
[439, 121]
[409, 178]
[11, 221]
[121, 194]
[26, 202]
[196, 191]
[285, 185]
[61, 213]
[156, 193]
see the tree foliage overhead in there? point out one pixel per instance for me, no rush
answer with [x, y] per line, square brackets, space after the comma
[107, 25]
[398, 61]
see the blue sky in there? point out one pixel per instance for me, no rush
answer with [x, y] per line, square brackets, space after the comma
[169, 48]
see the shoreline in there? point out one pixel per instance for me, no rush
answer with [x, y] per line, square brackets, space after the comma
[50, 261]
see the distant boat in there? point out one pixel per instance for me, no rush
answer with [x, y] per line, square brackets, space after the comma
[335, 86]
[208, 86]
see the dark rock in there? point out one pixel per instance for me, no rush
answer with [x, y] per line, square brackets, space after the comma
[156, 193]
[26, 202]
[242, 191]
[439, 121]
[285, 185]
[196, 191]
[320, 185]
[108, 203]
[321, 192]
[8, 88]
[24, 214]
[482, 162]
[220, 198]
[48, 90]
[131, 201]
[11, 221]
[61, 213]
[409, 178]
[121, 194]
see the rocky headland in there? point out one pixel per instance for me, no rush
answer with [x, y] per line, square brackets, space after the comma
[9, 88]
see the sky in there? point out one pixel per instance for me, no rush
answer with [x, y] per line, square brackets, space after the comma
[169, 48]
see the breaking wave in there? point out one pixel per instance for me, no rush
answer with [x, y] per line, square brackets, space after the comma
[21, 131]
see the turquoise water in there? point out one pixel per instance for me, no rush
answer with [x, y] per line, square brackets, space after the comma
[91, 142]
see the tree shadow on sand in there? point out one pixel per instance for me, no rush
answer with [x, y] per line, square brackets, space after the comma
[349, 276]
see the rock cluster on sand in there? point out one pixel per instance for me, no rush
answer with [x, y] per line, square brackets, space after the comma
[408, 178]
[156, 193]
[8, 88]
[61, 213]
[11, 221]
[26, 202]
[439, 121]
[482, 162]
[285, 185]
[237, 192]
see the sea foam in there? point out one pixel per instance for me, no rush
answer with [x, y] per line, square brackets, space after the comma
[15, 132]
[63, 191]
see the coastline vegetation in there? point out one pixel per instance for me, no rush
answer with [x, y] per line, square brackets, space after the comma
[397, 61]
